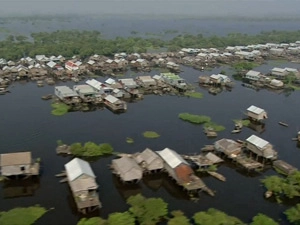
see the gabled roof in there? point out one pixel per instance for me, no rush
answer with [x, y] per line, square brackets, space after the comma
[78, 167]
[257, 141]
[111, 99]
[17, 158]
[255, 109]
[253, 73]
[172, 158]
[95, 84]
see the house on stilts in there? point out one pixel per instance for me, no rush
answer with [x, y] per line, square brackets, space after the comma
[82, 182]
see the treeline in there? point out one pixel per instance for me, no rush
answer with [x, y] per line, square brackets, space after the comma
[87, 43]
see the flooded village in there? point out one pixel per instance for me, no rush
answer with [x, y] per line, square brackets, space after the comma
[253, 154]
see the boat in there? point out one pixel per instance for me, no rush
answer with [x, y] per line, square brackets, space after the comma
[235, 131]
[47, 97]
[283, 124]
[268, 194]
[217, 175]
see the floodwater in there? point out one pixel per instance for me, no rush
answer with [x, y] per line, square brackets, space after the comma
[27, 124]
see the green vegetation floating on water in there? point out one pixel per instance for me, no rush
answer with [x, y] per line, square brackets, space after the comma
[59, 109]
[240, 66]
[22, 216]
[197, 119]
[283, 186]
[194, 94]
[91, 149]
[151, 134]
[293, 214]
[129, 140]
[214, 126]
[87, 43]
[244, 122]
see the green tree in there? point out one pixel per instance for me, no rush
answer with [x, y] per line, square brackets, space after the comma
[147, 211]
[76, 149]
[118, 218]
[91, 149]
[293, 214]
[106, 148]
[261, 219]
[92, 221]
[215, 217]
[178, 218]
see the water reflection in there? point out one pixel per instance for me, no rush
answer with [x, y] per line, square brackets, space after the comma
[126, 190]
[258, 127]
[20, 188]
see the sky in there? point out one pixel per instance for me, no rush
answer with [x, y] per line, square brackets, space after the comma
[200, 8]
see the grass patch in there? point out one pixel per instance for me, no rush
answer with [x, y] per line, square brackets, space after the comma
[129, 140]
[194, 94]
[197, 119]
[59, 109]
[151, 134]
[244, 122]
[214, 126]
[22, 216]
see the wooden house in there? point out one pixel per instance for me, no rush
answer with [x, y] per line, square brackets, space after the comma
[256, 114]
[82, 182]
[260, 147]
[228, 147]
[85, 92]
[284, 167]
[18, 163]
[66, 94]
[146, 81]
[174, 80]
[252, 75]
[115, 104]
[127, 169]
[149, 161]
[180, 170]
[280, 73]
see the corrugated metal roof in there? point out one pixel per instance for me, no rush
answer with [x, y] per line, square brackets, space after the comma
[65, 91]
[252, 73]
[255, 109]
[17, 158]
[95, 84]
[257, 141]
[77, 167]
[172, 158]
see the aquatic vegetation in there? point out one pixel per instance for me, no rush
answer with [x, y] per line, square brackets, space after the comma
[293, 214]
[22, 216]
[214, 126]
[244, 122]
[192, 118]
[151, 134]
[90, 149]
[129, 140]
[194, 94]
[59, 109]
[263, 219]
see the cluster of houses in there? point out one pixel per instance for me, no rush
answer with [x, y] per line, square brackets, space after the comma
[111, 92]
[273, 79]
[41, 66]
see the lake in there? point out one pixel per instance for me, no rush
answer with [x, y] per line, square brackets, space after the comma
[27, 124]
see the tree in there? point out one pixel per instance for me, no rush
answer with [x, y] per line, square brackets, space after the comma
[293, 214]
[106, 148]
[215, 217]
[147, 211]
[76, 149]
[118, 218]
[260, 219]
[91, 149]
[92, 221]
[178, 219]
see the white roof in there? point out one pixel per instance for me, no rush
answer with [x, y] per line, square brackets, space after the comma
[78, 167]
[110, 81]
[252, 73]
[257, 141]
[51, 64]
[95, 84]
[255, 109]
[172, 158]
[111, 99]
[276, 69]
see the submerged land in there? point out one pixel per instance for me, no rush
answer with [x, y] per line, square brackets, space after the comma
[183, 51]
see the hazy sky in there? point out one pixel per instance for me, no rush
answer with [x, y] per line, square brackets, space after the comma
[247, 8]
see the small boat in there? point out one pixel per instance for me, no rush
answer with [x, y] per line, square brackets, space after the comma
[47, 97]
[268, 194]
[235, 131]
[217, 175]
[283, 124]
